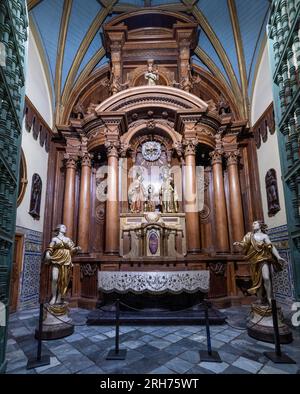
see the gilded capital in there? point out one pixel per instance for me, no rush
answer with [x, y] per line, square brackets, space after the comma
[86, 160]
[232, 157]
[70, 161]
[190, 146]
[112, 148]
[216, 156]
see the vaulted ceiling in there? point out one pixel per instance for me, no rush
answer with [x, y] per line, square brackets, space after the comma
[67, 32]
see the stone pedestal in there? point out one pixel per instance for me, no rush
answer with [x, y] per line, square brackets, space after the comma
[260, 326]
[56, 322]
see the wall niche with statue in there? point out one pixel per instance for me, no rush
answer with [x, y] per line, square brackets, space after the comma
[272, 192]
[35, 197]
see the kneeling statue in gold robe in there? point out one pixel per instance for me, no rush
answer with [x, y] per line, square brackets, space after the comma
[260, 252]
[59, 255]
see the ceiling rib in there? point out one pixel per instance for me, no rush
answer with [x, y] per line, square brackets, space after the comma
[240, 53]
[85, 43]
[67, 7]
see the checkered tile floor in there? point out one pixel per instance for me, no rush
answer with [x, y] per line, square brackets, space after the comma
[150, 349]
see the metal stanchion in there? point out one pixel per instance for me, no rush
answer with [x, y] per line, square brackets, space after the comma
[209, 355]
[40, 360]
[117, 353]
[277, 357]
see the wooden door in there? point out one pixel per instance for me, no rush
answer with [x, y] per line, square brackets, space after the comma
[16, 272]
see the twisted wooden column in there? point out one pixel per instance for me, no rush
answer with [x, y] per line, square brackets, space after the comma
[69, 197]
[235, 197]
[190, 199]
[112, 203]
[85, 203]
[219, 201]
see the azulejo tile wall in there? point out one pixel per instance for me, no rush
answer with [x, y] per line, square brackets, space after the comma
[283, 281]
[30, 276]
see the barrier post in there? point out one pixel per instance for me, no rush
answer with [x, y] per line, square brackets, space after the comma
[117, 353]
[40, 360]
[208, 355]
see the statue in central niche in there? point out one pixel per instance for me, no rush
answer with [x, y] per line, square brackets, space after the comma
[168, 195]
[151, 75]
[137, 194]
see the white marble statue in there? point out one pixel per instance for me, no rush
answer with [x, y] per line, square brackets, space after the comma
[59, 254]
[151, 75]
[262, 255]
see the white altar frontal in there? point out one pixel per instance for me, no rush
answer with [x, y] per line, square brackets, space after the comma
[154, 282]
[152, 234]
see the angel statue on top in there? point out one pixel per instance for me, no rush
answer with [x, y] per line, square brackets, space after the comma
[151, 75]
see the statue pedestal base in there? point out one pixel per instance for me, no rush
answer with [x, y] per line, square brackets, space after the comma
[56, 323]
[260, 325]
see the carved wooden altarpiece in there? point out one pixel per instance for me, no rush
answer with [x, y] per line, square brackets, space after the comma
[189, 124]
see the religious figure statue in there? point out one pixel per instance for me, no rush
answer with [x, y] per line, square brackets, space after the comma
[188, 81]
[262, 255]
[137, 194]
[223, 106]
[151, 75]
[168, 195]
[272, 192]
[36, 195]
[115, 84]
[150, 203]
[59, 254]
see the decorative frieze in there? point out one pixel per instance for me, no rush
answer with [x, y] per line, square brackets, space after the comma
[35, 122]
[264, 125]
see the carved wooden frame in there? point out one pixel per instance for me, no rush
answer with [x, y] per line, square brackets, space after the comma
[23, 178]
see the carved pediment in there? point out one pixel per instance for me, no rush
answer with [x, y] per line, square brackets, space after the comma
[152, 96]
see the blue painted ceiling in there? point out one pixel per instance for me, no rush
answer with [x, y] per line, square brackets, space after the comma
[46, 15]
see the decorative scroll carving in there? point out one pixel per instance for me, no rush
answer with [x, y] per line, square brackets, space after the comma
[178, 148]
[154, 282]
[100, 212]
[36, 195]
[272, 192]
[205, 213]
[88, 270]
[264, 124]
[217, 268]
